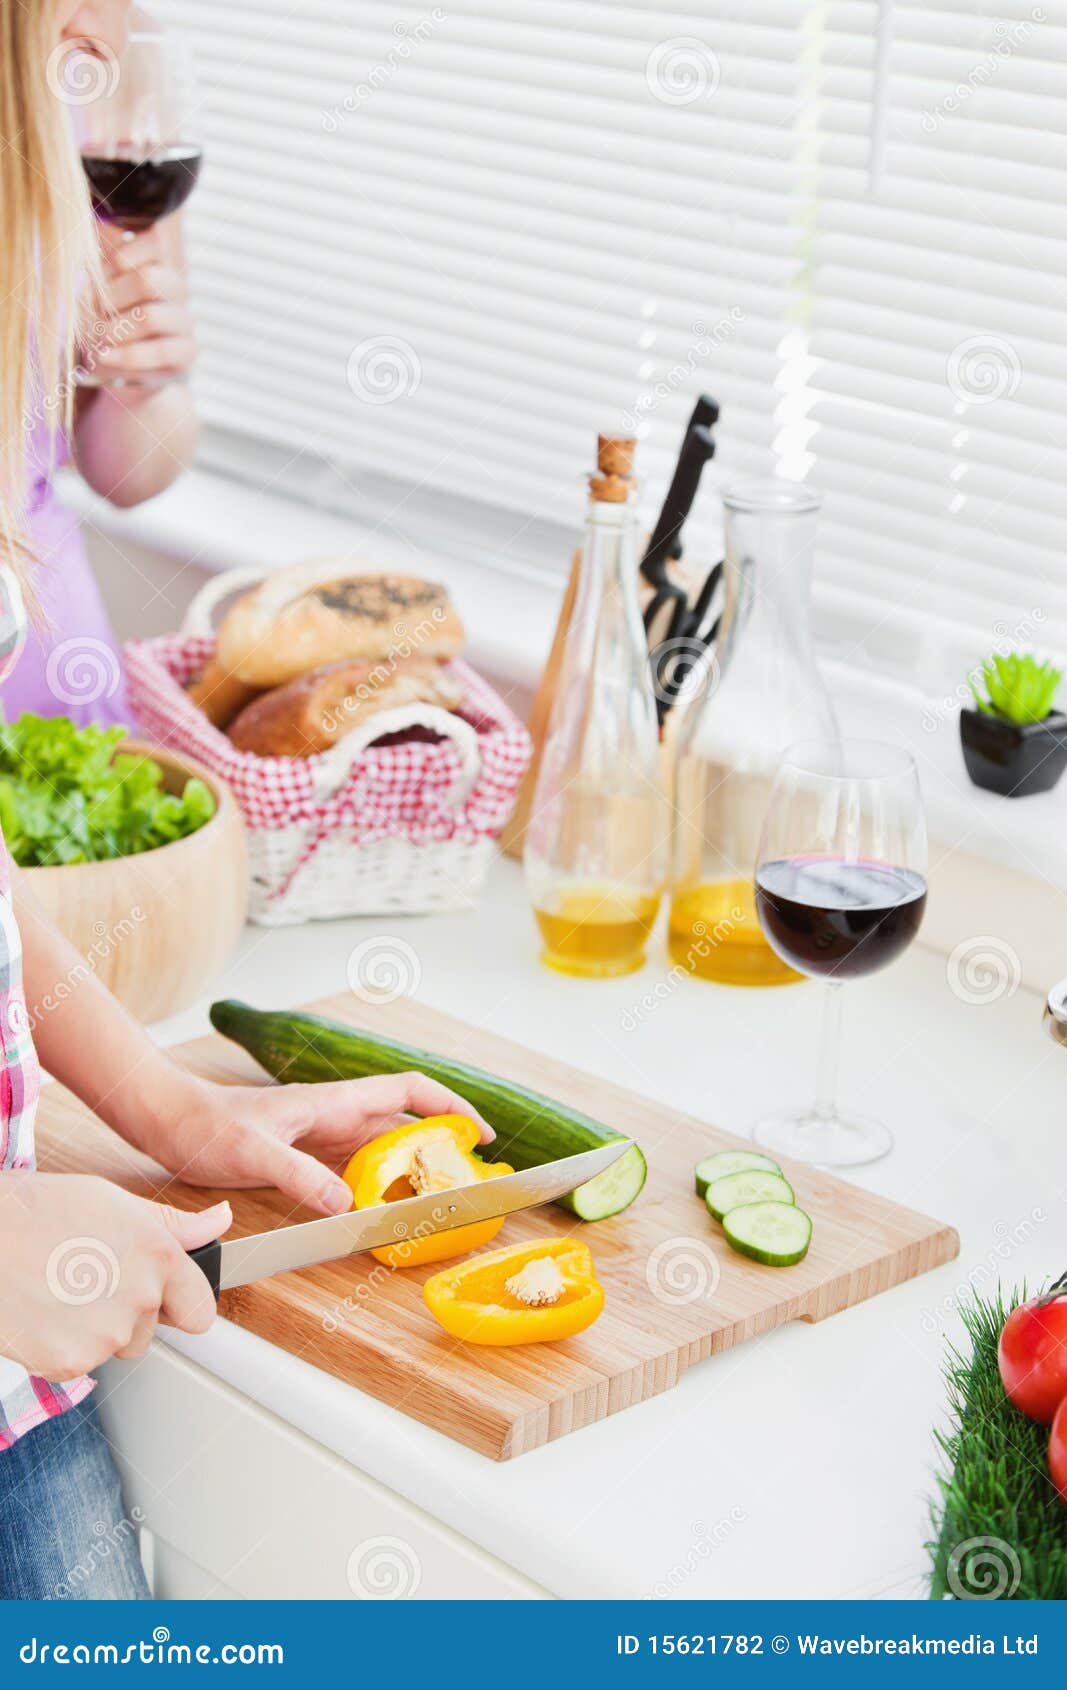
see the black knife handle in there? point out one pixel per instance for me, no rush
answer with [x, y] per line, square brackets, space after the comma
[698, 447]
[209, 1260]
[705, 413]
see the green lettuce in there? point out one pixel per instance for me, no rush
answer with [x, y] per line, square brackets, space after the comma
[67, 795]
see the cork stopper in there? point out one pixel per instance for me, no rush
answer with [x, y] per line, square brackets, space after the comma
[613, 481]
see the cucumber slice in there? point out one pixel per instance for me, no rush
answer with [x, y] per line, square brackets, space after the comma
[751, 1185]
[775, 1233]
[613, 1190]
[730, 1162]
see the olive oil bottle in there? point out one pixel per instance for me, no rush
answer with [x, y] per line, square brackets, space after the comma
[595, 854]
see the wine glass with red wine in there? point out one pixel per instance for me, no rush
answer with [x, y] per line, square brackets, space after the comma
[840, 893]
[139, 141]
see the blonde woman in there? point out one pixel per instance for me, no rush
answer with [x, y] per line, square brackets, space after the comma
[59, 1491]
[128, 442]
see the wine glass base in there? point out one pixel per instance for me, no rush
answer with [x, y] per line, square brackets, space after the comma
[836, 1141]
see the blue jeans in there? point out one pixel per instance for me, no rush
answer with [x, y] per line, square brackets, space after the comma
[64, 1533]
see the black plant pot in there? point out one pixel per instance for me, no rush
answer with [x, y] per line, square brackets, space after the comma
[1014, 760]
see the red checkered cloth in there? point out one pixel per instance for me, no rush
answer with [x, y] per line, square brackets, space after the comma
[397, 791]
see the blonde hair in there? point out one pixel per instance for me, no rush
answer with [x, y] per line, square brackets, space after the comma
[49, 260]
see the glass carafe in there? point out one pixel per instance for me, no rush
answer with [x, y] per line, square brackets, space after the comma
[760, 690]
[595, 855]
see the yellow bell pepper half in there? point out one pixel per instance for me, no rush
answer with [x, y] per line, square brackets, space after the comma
[416, 1160]
[522, 1294]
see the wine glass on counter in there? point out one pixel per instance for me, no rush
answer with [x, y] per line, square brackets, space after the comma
[840, 892]
[139, 141]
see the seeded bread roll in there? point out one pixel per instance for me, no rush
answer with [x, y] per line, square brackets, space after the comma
[301, 619]
[311, 714]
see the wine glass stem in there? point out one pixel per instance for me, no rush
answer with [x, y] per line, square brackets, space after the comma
[829, 1054]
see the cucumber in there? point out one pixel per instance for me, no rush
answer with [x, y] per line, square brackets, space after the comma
[777, 1234]
[730, 1162]
[751, 1185]
[530, 1129]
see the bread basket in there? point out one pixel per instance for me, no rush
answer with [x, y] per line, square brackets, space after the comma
[364, 828]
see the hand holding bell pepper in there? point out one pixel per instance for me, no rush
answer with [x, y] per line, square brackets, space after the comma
[414, 1161]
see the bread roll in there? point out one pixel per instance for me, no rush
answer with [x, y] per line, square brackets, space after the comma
[301, 619]
[218, 694]
[311, 714]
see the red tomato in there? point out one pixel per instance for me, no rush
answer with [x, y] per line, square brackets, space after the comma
[1033, 1356]
[1057, 1450]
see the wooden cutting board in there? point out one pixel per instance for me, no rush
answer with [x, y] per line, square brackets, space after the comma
[675, 1292]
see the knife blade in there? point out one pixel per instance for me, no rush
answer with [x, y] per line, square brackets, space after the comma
[241, 1260]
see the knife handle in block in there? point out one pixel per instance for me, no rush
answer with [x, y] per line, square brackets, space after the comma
[209, 1260]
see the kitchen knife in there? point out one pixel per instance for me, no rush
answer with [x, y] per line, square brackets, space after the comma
[240, 1260]
[698, 445]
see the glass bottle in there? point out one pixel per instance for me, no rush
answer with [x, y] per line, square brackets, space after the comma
[595, 854]
[759, 690]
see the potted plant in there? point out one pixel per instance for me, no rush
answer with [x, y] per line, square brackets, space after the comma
[1014, 742]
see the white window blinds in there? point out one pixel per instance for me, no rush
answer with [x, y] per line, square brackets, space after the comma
[446, 244]
[939, 288]
[449, 244]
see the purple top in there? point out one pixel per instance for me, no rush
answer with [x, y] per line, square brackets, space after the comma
[70, 665]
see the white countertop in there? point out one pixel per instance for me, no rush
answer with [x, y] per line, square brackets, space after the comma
[800, 1464]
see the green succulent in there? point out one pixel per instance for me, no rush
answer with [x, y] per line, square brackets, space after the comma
[1018, 688]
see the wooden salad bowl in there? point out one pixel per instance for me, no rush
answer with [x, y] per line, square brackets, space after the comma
[156, 928]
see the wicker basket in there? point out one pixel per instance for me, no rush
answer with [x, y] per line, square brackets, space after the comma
[363, 829]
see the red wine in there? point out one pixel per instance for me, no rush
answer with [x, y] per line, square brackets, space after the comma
[823, 915]
[136, 192]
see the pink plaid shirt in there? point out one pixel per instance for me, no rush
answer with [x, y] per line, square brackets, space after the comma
[24, 1400]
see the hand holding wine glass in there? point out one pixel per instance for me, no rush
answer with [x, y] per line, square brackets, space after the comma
[840, 893]
[142, 159]
[150, 333]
